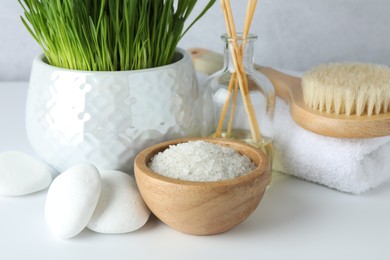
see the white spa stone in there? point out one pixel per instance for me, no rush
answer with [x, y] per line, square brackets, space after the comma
[21, 174]
[71, 200]
[121, 208]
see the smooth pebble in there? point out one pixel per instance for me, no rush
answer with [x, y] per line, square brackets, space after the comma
[72, 199]
[21, 174]
[121, 208]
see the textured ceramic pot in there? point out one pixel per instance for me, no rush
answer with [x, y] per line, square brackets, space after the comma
[106, 118]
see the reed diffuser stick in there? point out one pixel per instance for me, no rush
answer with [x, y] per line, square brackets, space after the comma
[225, 107]
[233, 109]
[236, 53]
[218, 132]
[250, 11]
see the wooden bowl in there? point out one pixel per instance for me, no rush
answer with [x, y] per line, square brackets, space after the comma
[202, 208]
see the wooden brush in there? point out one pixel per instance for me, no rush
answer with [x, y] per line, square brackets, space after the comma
[348, 88]
[321, 103]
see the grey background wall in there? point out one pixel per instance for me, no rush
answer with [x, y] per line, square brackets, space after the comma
[295, 34]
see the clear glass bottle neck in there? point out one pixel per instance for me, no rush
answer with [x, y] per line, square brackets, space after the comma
[241, 48]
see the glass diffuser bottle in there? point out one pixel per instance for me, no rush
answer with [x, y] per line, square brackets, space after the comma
[244, 99]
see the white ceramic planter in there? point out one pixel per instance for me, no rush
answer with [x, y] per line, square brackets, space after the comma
[106, 118]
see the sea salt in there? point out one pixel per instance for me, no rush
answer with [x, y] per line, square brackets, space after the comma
[201, 161]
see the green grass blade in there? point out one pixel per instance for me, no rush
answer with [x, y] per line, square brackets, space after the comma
[108, 34]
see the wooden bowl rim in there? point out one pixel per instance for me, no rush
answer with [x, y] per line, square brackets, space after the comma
[141, 160]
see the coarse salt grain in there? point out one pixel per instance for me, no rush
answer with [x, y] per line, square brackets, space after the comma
[201, 161]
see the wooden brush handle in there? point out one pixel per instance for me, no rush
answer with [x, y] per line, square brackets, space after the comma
[289, 88]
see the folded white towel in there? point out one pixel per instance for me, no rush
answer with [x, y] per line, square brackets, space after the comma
[349, 165]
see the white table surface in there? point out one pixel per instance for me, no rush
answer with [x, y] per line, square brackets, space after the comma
[295, 220]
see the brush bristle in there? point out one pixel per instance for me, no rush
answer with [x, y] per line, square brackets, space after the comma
[348, 88]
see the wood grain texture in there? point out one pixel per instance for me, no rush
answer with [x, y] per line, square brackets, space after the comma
[289, 88]
[202, 208]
